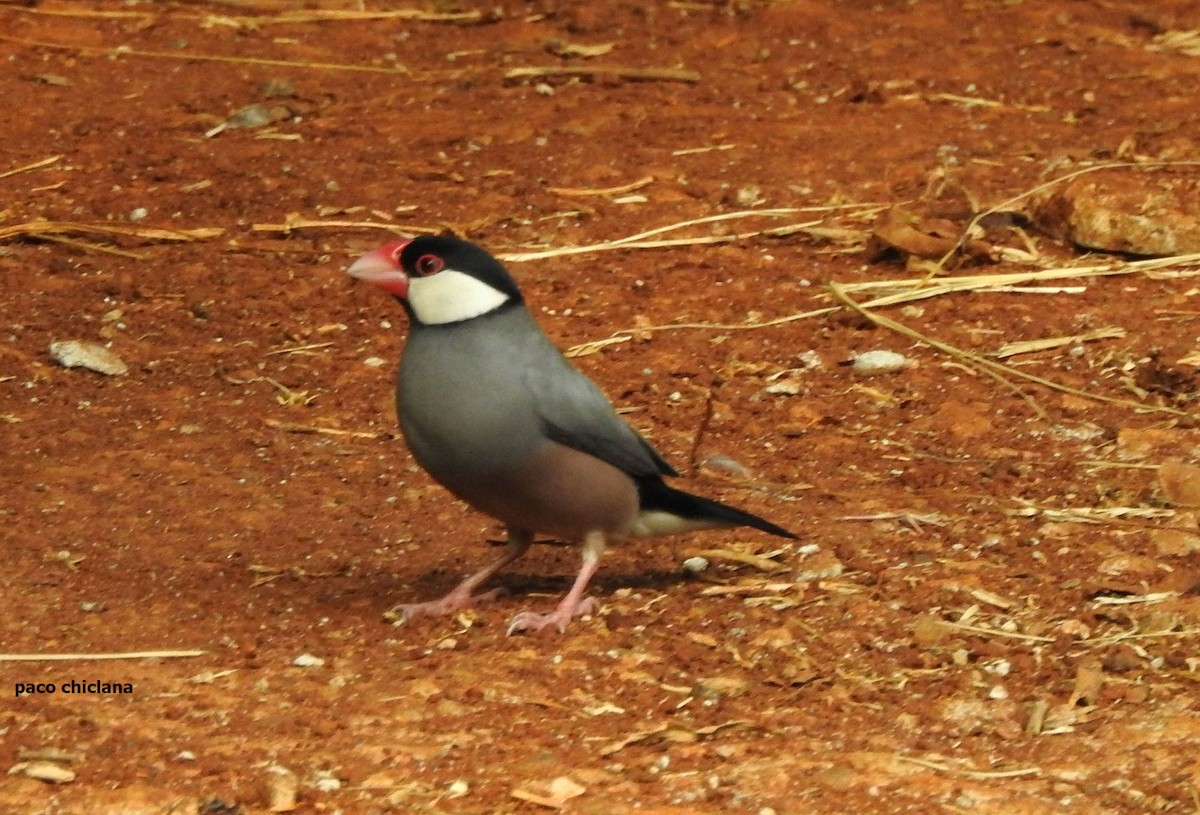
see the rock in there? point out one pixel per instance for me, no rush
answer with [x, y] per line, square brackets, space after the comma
[1180, 483]
[1139, 212]
[1137, 444]
[1175, 542]
[90, 355]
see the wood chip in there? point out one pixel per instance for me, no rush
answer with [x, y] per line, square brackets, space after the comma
[282, 789]
[46, 771]
[757, 561]
[572, 49]
[1089, 679]
[991, 598]
[555, 795]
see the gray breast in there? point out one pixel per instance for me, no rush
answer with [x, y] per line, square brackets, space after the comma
[462, 404]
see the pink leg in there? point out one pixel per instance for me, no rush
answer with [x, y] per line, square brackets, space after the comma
[462, 595]
[574, 604]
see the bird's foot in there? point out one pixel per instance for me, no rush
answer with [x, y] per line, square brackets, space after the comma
[566, 611]
[454, 601]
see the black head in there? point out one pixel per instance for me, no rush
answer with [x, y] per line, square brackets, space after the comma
[428, 255]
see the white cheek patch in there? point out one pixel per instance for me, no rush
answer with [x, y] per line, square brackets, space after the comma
[451, 296]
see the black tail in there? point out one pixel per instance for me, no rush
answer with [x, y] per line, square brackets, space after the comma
[655, 495]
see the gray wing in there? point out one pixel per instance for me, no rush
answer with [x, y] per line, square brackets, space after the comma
[575, 413]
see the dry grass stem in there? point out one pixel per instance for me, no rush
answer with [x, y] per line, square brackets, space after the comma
[191, 56]
[744, 589]
[642, 240]
[1117, 465]
[1095, 515]
[34, 166]
[575, 192]
[1001, 373]
[83, 13]
[993, 370]
[1138, 635]
[61, 232]
[978, 101]
[353, 16]
[1155, 597]
[297, 427]
[291, 224]
[993, 632]
[912, 520]
[87, 246]
[632, 74]
[967, 772]
[790, 318]
[102, 656]
[664, 243]
[1186, 42]
[1011, 349]
[910, 289]
[299, 349]
[38, 229]
[593, 347]
[691, 151]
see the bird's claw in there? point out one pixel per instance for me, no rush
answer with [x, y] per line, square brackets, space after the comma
[452, 602]
[532, 621]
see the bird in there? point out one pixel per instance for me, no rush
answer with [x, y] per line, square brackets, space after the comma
[495, 413]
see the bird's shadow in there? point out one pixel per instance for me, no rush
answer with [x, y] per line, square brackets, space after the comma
[516, 582]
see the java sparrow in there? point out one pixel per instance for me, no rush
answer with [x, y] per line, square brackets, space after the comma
[498, 416]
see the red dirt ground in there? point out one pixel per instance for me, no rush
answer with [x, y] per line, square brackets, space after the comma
[993, 606]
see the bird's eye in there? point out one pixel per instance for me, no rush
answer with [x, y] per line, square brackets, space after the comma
[429, 264]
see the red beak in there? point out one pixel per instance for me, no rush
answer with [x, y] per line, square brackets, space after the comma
[382, 267]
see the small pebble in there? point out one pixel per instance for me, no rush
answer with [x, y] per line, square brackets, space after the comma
[308, 661]
[873, 363]
[784, 387]
[374, 362]
[1001, 667]
[695, 565]
[138, 214]
[810, 360]
[327, 782]
[749, 196]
